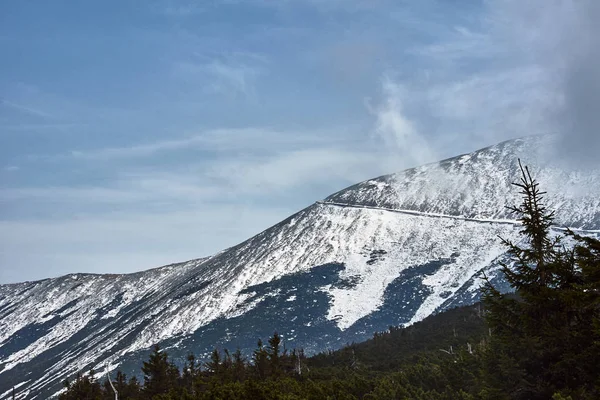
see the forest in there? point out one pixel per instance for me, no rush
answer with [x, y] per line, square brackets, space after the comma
[540, 342]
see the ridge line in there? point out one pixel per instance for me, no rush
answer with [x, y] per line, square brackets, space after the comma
[436, 215]
[420, 213]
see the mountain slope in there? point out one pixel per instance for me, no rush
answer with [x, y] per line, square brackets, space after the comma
[479, 185]
[388, 251]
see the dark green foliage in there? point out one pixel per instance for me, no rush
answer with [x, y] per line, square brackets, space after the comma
[541, 342]
[273, 354]
[397, 364]
[159, 374]
[214, 365]
[190, 371]
[84, 387]
[239, 366]
[545, 339]
[126, 389]
[260, 361]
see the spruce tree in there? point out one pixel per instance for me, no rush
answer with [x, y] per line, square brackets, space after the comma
[540, 333]
[227, 366]
[239, 366]
[260, 360]
[133, 388]
[159, 374]
[84, 387]
[190, 371]
[273, 353]
[214, 364]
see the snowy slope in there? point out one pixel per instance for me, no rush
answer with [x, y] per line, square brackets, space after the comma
[390, 250]
[479, 185]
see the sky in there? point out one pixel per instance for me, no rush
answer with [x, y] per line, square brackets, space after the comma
[135, 134]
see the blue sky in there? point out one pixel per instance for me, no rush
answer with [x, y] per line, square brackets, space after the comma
[137, 133]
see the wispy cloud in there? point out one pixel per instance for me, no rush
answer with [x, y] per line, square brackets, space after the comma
[231, 75]
[68, 196]
[330, 6]
[24, 109]
[293, 169]
[460, 43]
[191, 210]
[399, 133]
[217, 140]
[43, 127]
[138, 150]
[246, 162]
[504, 72]
[179, 8]
[547, 67]
[236, 79]
[34, 109]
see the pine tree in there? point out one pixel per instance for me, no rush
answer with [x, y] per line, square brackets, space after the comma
[84, 387]
[260, 360]
[227, 366]
[133, 389]
[214, 364]
[273, 354]
[159, 374]
[190, 371]
[539, 332]
[239, 366]
[581, 326]
[121, 384]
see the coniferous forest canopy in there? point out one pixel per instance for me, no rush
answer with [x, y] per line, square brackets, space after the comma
[541, 342]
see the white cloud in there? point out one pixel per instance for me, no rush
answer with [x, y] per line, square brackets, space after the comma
[258, 163]
[218, 140]
[66, 195]
[231, 75]
[40, 127]
[232, 78]
[296, 169]
[498, 73]
[399, 133]
[547, 72]
[179, 9]
[36, 112]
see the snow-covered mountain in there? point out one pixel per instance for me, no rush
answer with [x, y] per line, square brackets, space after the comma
[387, 251]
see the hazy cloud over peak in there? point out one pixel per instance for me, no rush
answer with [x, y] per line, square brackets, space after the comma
[581, 86]
[562, 38]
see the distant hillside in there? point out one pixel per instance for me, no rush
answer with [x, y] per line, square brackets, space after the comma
[450, 331]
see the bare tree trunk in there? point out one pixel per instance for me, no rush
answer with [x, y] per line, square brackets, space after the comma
[298, 366]
[111, 384]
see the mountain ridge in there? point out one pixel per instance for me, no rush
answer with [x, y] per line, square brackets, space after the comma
[444, 187]
[387, 251]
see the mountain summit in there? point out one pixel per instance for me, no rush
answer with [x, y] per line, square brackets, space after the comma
[388, 251]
